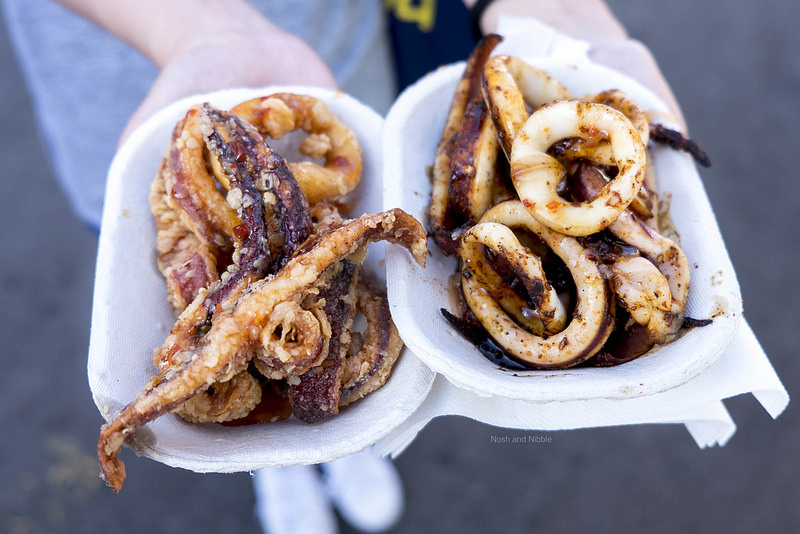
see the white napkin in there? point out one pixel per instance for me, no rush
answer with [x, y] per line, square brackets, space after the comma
[130, 315]
[682, 382]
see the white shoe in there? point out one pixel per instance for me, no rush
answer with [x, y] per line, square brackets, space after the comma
[366, 490]
[293, 500]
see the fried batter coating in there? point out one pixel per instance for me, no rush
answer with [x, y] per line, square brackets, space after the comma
[315, 393]
[224, 401]
[278, 114]
[369, 368]
[225, 350]
[187, 263]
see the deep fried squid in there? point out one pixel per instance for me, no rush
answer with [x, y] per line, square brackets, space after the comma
[225, 350]
[368, 369]
[278, 114]
[192, 189]
[273, 220]
[187, 263]
[315, 394]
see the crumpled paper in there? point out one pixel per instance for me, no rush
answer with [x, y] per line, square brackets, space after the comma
[682, 382]
[130, 315]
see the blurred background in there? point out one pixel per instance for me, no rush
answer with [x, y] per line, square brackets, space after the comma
[736, 72]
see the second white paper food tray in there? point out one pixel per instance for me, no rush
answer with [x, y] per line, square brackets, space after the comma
[131, 317]
[412, 131]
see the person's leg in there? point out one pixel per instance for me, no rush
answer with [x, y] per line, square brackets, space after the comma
[292, 499]
[366, 490]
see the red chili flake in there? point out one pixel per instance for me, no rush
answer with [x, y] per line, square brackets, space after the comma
[341, 161]
[241, 231]
[240, 150]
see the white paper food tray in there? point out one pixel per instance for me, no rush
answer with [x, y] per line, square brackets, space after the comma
[131, 317]
[412, 131]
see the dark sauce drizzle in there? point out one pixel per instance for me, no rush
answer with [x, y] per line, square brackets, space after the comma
[485, 344]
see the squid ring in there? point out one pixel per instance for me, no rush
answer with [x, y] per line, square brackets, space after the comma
[644, 292]
[592, 320]
[536, 174]
[278, 114]
[671, 263]
[508, 84]
[293, 340]
[191, 189]
[620, 101]
[600, 152]
[527, 266]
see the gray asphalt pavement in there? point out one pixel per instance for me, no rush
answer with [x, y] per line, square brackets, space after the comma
[736, 73]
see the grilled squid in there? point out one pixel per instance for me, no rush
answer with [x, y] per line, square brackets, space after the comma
[442, 217]
[653, 286]
[526, 266]
[591, 322]
[670, 262]
[580, 171]
[510, 86]
[537, 175]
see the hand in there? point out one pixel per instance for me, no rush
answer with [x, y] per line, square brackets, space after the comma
[591, 21]
[276, 58]
[204, 45]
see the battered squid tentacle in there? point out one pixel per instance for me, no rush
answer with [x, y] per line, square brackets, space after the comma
[509, 86]
[224, 350]
[251, 261]
[536, 175]
[192, 190]
[223, 401]
[238, 159]
[287, 216]
[315, 395]
[442, 220]
[369, 368]
[278, 114]
[260, 189]
[188, 264]
[591, 322]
